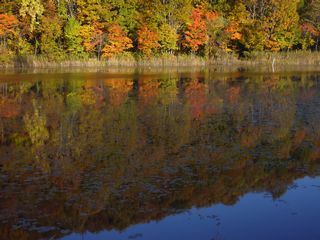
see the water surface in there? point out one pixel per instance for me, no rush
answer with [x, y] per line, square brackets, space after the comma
[194, 154]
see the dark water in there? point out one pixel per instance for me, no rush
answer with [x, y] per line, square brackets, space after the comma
[170, 155]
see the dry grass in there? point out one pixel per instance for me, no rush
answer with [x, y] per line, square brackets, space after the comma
[293, 58]
[284, 58]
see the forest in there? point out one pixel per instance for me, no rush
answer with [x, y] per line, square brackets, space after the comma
[103, 29]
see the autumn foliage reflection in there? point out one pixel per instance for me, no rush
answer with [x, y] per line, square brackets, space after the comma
[75, 153]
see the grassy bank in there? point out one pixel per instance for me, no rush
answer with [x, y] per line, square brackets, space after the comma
[293, 58]
[122, 61]
[284, 58]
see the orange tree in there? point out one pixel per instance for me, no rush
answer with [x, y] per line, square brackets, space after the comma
[196, 30]
[93, 37]
[117, 41]
[148, 40]
[7, 24]
[7, 35]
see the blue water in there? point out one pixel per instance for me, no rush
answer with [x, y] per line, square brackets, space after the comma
[296, 215]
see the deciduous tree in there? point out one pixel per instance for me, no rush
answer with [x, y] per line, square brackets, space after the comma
[8, 23]
[117, 41]
[281, 25]
[168, 38]
[32, 9]
[196, 31]
[73, 38]
[148, 40]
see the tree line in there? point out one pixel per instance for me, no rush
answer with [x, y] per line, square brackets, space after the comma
[109, 28]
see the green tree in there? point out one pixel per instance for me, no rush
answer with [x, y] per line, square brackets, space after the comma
[73, 38]
[51, 31]
[168, 38]
[62, 10]
[125, 13]
[50, 35]
[253, 38]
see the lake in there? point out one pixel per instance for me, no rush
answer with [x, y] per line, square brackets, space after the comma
[160, 154]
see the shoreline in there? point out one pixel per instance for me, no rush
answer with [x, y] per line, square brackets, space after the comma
[273, 60]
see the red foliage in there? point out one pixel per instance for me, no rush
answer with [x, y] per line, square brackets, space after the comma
[196, 33]
[7, 24]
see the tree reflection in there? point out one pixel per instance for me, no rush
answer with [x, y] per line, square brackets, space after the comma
[75, 153]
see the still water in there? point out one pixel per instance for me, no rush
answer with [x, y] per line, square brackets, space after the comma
[195, 154]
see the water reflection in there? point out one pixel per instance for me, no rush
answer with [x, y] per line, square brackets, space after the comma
[255, 216]
[98, 152]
